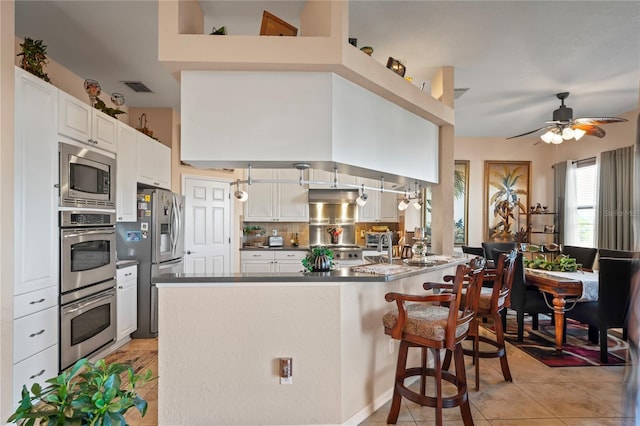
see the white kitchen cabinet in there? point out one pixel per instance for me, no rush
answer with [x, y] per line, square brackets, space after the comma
[154, 162]
[380, 206]
[36, 238]
[80, 121]
[36, 172]
[126, 302]
[126, 186]
[276, 202]
[269, 260]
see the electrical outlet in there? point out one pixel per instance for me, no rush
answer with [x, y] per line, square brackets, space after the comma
[392, 346]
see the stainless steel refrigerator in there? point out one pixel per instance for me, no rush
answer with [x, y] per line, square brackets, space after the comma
[156, 240]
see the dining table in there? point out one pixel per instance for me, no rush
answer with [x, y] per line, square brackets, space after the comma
[573, 287]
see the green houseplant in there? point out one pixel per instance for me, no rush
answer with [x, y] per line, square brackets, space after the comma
[85, 394]
[34, 58]
[319, 260]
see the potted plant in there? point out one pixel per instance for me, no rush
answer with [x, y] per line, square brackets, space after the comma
[85, 394]
[34, 58]
[319, 260]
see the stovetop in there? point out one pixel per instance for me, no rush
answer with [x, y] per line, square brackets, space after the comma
[345, 251]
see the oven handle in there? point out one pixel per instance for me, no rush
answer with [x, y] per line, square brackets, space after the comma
[90, 301]
[94, 232]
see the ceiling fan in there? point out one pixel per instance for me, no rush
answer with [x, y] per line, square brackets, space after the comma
[564, 126]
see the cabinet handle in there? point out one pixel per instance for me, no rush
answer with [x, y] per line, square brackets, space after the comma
[33, 302]
[37, 334]
[291, 255]
[120, 287]
[129, 274]
[36, 375]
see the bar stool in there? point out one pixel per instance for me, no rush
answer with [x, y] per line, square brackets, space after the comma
[491, 304]
[436, 322]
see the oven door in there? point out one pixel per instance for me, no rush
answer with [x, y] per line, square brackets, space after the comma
[87, 325]
[88, 257]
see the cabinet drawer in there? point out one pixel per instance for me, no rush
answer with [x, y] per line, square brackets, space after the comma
[35, 369]
[256, 255]
[34, 333]
[28, 303]
[128, 273]
[290, 255]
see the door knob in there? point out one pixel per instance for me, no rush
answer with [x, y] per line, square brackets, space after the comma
[189, 252]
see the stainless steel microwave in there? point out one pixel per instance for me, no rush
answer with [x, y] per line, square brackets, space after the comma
[87, 178]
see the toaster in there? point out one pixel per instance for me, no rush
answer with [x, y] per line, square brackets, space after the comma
[275, 241]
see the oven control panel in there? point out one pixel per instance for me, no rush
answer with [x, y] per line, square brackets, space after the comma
[69, 218]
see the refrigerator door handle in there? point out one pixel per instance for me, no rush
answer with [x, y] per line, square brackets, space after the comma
[175, 227]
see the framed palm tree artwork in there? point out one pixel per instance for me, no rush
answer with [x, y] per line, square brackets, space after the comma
[460, 201]
[506, 194]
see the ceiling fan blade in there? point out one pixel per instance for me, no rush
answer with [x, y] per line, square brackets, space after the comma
[590, 129]
[599, 120]
[528, 133]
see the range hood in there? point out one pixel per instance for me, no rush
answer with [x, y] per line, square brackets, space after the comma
[333, 196]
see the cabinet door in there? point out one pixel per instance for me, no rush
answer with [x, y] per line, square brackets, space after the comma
[104, 131]
[74, 118]
[163, 165]
[293, 200]
[370, 212]
[257, 266]
[126, 188]
[127, 302]
[260, 206]
[389, 207]
[288, 266]
[36, 244]
[145, 159]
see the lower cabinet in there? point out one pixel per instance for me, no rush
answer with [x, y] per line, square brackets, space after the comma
[257, 261]
[35, 369]
[127, 302]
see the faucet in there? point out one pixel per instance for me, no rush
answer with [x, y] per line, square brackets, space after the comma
[389, 237]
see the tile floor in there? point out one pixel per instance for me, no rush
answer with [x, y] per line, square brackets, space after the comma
[538, 396]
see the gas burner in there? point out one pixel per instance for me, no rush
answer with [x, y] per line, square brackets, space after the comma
[346, 251]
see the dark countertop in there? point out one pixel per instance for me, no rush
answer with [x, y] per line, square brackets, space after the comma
[262, 248]
[126, 262]
[338, 275]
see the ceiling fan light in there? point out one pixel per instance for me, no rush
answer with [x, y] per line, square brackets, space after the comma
[578, 133]
[556, 138]
[546, 138]
[567, 133]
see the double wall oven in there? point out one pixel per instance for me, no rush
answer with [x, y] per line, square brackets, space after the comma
[87, 283]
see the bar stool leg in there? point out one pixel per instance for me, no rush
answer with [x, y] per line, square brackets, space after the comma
[502, 350]
[394, 411]
[465, 407]
[438, 378]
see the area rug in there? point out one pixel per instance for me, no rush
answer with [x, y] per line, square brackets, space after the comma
[577, 351]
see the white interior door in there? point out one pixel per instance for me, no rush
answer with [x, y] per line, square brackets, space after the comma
[207, 226]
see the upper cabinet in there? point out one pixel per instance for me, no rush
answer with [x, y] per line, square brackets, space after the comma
[154, 162]
[126, 173]
[276, 202]
[82, 122]
[380, 206]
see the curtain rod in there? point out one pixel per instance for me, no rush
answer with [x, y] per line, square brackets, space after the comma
[584, 160]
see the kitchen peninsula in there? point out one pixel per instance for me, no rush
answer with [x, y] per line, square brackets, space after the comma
[222, 338]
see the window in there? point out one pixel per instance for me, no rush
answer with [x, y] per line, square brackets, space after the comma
[586, 188]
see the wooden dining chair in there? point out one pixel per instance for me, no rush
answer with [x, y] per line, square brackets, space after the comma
[434, 322]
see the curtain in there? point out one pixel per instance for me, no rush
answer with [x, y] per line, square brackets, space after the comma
[559, 180]
[614, 213]
[571, 206]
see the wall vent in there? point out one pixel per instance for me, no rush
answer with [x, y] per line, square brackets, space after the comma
[137, 86]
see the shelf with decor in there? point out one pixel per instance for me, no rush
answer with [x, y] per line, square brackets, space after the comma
[541, 230]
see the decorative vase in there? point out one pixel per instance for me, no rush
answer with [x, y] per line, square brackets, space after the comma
[322, 264]
[335, 239]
